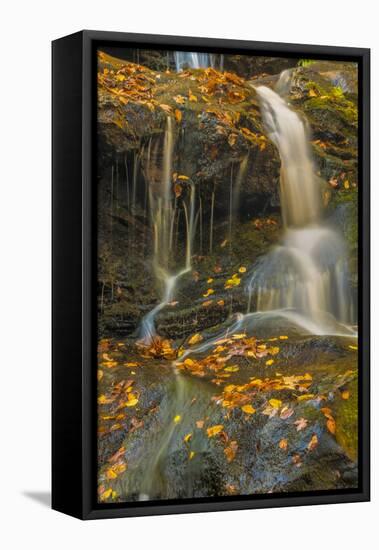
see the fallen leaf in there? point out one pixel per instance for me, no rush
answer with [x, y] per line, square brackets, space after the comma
[286, 412]
[313, 443]
[187, 437]
[275, 403]
[305, 397]
[231, 450]
[345, 394]
[200, 424]
[301, 424]
[242, 269]
[208, 293]
[178, 115]
[248, 409]
[331, 425]
[269, 362]
[214, 430]
[283, 444]
[232, 368]
[195, 339]
[191, 455]
[177, 418]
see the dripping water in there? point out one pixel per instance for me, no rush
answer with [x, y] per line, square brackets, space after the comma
[163, 210]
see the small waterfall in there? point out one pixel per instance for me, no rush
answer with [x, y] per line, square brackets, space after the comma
[197, 60]
[163, 210]
[307, 271]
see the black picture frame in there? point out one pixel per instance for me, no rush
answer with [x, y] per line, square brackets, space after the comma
[74, 262]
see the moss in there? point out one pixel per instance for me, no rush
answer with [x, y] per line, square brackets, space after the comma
[305, 62]
[347, 421]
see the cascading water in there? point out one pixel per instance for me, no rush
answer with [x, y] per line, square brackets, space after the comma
[308, 271]
[163, 210]
[197, 60]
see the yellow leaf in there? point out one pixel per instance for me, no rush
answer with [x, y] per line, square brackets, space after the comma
[275, 403]
[132, 400]
[248, 409]
[100, 374]
[346, 184]
[214, 430]
[221, 303]
[191, 455]
[106, 494]
[269, 362]
[242, 269]
[283, 337]
[187, 437]
[239, 336]
[274, 351]
[183, 177]
[177, 418]
[207, 303]
[353, 347]
[313, 442]
[179, 99]
[111, 474]
[210, 280]
[178, 115]
[131, 365]
[195, 339]
[345, 394]
[331, 425]
[305, 397]
[232, 368]
[208, 293]
[283, 444]
[103, 400]
[191, 96]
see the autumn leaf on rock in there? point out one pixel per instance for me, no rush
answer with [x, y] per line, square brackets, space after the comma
[178, 115]
[286, 412]
[231, 450]
[187, 438]
[283, 444]
[313, 443]
[331, 425]
[248, 409]
[214, 430]
[301, 424]
[208, 293]
[195, 339]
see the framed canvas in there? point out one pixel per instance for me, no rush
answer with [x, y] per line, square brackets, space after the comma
[210, 274]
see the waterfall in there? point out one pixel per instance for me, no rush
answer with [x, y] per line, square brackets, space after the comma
[307, 271]
[197, 60]
[162, 213]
